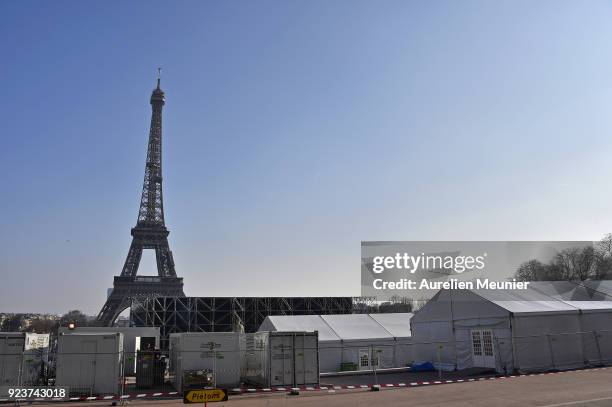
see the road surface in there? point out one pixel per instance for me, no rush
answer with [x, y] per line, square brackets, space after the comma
[583, 388]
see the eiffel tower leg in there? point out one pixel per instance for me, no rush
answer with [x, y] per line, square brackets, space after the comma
[127, 288]
[132, 261]
[115, 304]
[165, 262]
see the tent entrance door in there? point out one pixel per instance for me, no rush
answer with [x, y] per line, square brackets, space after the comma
[482, 348]
[364, 359]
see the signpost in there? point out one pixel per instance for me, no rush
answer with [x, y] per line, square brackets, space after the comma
[204, 396]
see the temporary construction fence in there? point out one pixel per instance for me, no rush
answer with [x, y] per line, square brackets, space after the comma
[156, 375]
[220, 353]
[263, 358]
[134, 339]
[282, 359]
[90, 363]
[529, 353]
[23, 357]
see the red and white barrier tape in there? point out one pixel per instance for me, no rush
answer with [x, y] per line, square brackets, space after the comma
[243, 390]
[391, 385]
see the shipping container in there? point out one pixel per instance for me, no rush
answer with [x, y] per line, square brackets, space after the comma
[133, 340]
[221, 353]
[282, 359]
[89, 363]
[23, 358]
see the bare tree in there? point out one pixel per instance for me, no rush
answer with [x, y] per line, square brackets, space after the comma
[603, 253]
[533, 270]
[573, 264]
[42, 326]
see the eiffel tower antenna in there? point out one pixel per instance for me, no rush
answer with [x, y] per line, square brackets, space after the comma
[149, 233]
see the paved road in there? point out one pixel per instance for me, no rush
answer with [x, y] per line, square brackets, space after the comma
[586, 388]
[403, 377]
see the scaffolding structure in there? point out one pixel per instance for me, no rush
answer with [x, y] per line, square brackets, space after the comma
[226, 314]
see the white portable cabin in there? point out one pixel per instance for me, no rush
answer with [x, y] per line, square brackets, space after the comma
[22, 357]
[222, 353]
[131, 339]
[89, 363]
[364, 341]
[282, 359]
[506, 330]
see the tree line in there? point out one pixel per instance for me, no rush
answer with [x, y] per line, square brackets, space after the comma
[592, 262]
[17, 322]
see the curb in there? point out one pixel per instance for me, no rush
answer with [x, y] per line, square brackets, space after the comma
[331, 388]
[243, 390]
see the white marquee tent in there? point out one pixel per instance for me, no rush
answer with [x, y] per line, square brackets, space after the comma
[550, 326]
[353, 338]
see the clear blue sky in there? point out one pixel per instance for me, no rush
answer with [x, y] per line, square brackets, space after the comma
[294, 130]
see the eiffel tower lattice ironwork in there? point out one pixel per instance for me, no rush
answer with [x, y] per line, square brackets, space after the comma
[150, 233]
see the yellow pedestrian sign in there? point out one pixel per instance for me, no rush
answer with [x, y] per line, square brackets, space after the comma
[204, 396]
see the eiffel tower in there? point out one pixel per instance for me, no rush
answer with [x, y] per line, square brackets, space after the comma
[149, 233]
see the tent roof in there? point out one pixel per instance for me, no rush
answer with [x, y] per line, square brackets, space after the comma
[544, 297]
[289, 323]
[591, 305]
[356, 326]
[602, 286]
[570, 291]
[397, 323]
[524, 301]
[345, 326]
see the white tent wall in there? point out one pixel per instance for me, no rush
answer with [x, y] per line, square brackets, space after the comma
[362, 333]
[398, 324]
[502, 343]
[345, 338]
[442, 329]
[432, 332]
[330, 356]
[433, 342]
[384, 349]
[558, 326]
[403, 352]
[593, 300]
[547, 341]
[597, 336]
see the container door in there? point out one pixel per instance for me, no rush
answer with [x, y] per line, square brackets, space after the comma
[483, 354]
[87, 364]
[281, 360]
[306, 367]
[364, 359]
[11, 360]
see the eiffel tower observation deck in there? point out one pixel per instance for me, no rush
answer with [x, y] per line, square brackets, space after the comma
[150, 232]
